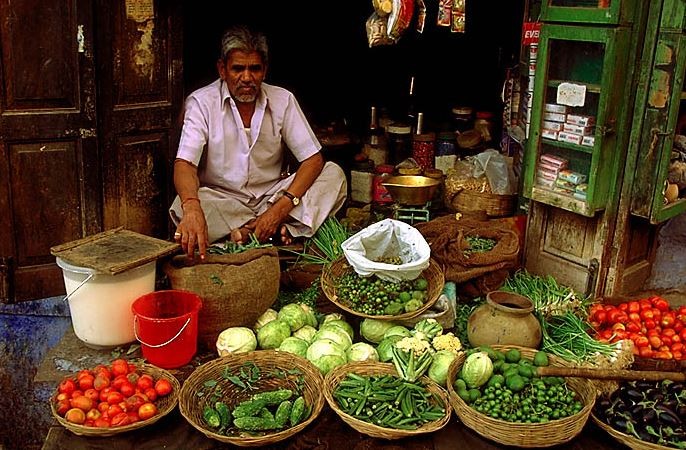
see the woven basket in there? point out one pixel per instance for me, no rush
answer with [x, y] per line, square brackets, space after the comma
[524, 434]
[629, 441]
[338, 374]
[164, 406]
[472, 202]
[192, 405]
[333, 272]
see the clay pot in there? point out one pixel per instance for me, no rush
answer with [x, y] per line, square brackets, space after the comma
[505, 319]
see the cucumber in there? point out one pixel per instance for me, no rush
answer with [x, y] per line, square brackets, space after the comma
[297, 412]
[283, 413]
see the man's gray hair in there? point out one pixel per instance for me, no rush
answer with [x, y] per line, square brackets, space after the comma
[242, 38]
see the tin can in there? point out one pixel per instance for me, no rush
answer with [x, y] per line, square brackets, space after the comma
[445, 143]
[463, 118]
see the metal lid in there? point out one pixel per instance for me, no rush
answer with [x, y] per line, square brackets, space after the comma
[424, 137]
[399, 128]
[114, 251]
[463, 110]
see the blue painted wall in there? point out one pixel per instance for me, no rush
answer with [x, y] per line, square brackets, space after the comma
[27, 331]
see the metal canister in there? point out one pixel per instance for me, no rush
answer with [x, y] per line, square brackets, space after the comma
[463, 117]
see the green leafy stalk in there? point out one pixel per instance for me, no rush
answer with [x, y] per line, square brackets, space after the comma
[325, 246]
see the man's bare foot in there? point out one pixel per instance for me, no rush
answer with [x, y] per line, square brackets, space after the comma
[239, 235]
[286, 238]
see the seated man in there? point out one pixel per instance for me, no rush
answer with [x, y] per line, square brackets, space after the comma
[227, 171]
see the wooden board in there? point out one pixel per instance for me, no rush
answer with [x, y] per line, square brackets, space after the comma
[114, 251]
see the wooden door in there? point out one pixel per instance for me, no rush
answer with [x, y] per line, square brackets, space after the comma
[140, 74]
[49, 176]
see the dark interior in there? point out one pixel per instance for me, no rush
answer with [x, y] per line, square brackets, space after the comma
[319, 50]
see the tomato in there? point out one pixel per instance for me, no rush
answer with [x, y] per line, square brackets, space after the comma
[664, 354]
[105, 392]
[75, 415]
[660, 303]
[645, 304]
[682, 334]
[62, 406]
[633, 327]
[605, 335]
[666, 340]
[646, 314]
[678, 326]
[678, 355]
[102, 370]
[101, 381]
[641, 341]
[118, 381]
[66, 386]
[147, 410]
[676, 338]
[668, 320]
[101, 423]
[132, 377]
[120, 367]
[618, 326]
[634, 307]
[163, 387]
[635, 317]
[93, 414]
[655, 341]
[92, 394]
[649, 324]
[133, 416]
[135, 401]
[113, 410]
[114, 397]
[103, 406]
[613, 316]
[619, 335]
[83, 373]
[132, 368]
[600, 317]
[121, 419]
[657, 314]
[623, 307]
[82, 402]
[645, 352]
[145, 382]
[677, 347]
[622, 317]
[127, 389]
[668, 332]
[62, 396]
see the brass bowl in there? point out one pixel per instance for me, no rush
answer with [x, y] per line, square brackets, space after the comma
[411, 189]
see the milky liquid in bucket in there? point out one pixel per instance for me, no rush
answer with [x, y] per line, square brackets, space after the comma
[101, 307]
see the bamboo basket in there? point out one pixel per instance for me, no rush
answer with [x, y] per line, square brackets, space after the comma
[627, 440]
[164, 406]
[524, 434]
[473, 202]
[338, 374]
[337, 269]
[192, 405]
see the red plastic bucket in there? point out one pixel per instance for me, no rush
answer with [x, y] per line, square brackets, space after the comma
[166, 325]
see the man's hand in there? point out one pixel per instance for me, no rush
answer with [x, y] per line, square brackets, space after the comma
[192, 230]
[266, 225]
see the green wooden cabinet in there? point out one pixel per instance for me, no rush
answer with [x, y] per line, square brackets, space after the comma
[661, 114]
[588, 11]
[580, 84]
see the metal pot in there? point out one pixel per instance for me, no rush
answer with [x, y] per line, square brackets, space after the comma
[411, 189]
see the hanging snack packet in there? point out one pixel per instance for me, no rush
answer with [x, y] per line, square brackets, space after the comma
[400, 18]
[443, 16]
[457, 23]
[421, 16]
[382, 7]
[377, 31]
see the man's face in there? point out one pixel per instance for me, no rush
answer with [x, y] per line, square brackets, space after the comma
[243, 73]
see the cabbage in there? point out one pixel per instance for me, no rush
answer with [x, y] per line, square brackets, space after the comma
[438, 370]
[336, 334]
[306, 333]
[293, 315]
[311, 318]
[326, 354]
[361, 351]
[384, 348]
[332, 316]
[477, 369]
[236, 340]
[272, 334]
[265, 318]
[373, 330]
[397, 330]
[342, 324]
[294, 345]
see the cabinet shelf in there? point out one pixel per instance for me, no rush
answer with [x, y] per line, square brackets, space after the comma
[671, 210]
[567, 145]
[566, 202]
[594, 88]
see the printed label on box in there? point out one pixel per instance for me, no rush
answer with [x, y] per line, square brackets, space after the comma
[552, 107]
[547, 175]
[588, 141]
[571, 176]
[543, 182]
[549, 167]
[554, 160]
[576, 129]
[583, 121]
[554, 117]
[552, 126]
[549, 134]
[569, 137]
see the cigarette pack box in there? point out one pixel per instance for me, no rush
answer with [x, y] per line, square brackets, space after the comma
[552, 176]
[571, 176]
[583, 121]
[577, 129]
[549, 134]
[564, 184]
[580, 195]
[555, 108]
[588, 141]
[544, 182]
[569, 137]
[549, 167]
[562, 190]
[582, 188]
[552, 126]
[554, 117]
[554, 161]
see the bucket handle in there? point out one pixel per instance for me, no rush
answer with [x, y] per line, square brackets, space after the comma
[135, 332]
[90, 275]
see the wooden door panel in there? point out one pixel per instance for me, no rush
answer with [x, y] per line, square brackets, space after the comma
[567, 234]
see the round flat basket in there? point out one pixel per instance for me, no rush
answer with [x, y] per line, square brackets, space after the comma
[493, 205]
[334, 378]
[271, 370]
[337, 269]
[528, 435]
[627, 440]
[164, 406]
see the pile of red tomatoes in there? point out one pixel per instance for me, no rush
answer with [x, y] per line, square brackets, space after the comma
[657, 330]
[110, 396]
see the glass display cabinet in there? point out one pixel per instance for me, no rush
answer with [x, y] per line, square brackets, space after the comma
[588, 11]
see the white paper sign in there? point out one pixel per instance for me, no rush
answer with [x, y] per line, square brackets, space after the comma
[571, 94]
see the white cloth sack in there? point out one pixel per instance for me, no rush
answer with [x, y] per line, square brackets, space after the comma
[388, 238]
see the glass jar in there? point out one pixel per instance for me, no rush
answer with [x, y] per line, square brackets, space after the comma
[424, 149]
[445, 143]
[362, 181]
[399, 142]
[463, 118]
[484, 125]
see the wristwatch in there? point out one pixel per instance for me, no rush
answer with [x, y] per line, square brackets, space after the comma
[295, 200]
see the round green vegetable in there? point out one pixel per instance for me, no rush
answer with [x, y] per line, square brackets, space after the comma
[513, 355]
[477, 369]
[515, 383]
[272, 334]
[541, 359]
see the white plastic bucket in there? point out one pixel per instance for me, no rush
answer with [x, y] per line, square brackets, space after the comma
[100, 304]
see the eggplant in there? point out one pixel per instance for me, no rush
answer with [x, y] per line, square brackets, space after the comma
[667, 417]
[648, 416]
[645, 385]
[619, 422]
[604, 404]
[681, 411]
[675, 388]
[632, 395]
[671, 404]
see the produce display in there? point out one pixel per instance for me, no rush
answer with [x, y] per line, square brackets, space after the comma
[388, 401]
[374, 296]
[647, 410]
[110, 396]
[504, 385]
[478, 244]
[656, 329]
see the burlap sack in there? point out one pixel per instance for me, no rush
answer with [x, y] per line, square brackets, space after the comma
[235, 289]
